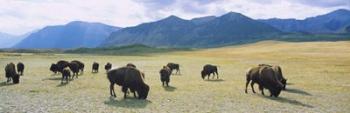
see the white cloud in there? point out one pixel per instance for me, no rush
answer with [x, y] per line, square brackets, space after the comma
[20, 16]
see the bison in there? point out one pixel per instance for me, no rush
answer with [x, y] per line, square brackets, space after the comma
[54, 68]
[11, 74]
[108, 66]
[278, 71]
[81, 65]
[174, 66]
[74, 67]
[208, 70]
[61, 65]
[165, 75]
[95, 66]
[128, 78]
[65, 75]
[265, 77]
[20, 68]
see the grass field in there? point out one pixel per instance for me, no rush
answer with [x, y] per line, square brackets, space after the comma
[318, 76]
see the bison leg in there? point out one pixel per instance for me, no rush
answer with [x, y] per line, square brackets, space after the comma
[261, 88]
[246, 85]
[111, 90]
[252, 85]
[125, 90]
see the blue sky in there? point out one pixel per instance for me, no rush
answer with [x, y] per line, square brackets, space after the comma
[21, 16]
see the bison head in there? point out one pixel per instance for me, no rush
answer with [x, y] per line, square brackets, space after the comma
[143, 92]
[203, 74]
[284, 83]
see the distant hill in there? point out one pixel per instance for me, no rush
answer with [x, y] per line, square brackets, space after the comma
[7, 40]
[72, 35]
[199, 32]
[333, 22]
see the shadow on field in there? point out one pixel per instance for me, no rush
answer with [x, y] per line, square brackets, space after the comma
[56, 78]
[169, 88]
[2, 84]
[127, 103]
[298, 91]
[215, 80]
[61, 85]
[290, 101]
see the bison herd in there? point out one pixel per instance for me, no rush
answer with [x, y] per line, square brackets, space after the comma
[131, 79]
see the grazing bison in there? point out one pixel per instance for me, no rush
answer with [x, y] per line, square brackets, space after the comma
[54, 68]
[278, 71]
[20, 68]
[130, 65]
[61, 65]
[81, 65]
[174, 66]
[65, 75]
[74, 67]
[128, 78]
[108, 66]
[95, 66]
[265, 77]
[208, 70]
[165, 75]
[10, 73]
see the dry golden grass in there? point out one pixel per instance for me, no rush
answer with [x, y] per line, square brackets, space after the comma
[317, 73]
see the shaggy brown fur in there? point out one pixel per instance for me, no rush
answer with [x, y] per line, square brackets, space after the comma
[128, 78]
[61, 65]
[174, 66]
[20, 68]
[81, 65]
[208, 70]
[265, 77]
[74, 67]
[95, 66]
[165, 73]
[108, 66]
[11, 74]
[54, 68]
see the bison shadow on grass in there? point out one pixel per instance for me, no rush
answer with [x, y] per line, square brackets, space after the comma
[127, 103]
[169, 88]
[297, 91]
[215, 80]
[2, 84]
[289, 101]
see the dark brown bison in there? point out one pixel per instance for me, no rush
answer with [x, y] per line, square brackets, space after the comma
[61, 65]
[95, 66]
[208, 70]
[165, 73]
[278, 71]
[65, 75]
[74, 67]
[108, 66]
[81, 65]
[11, 74]
[131, 65]
[174, 66]
[128, 78]
[20, 68]
[54, 68]
[265, 77]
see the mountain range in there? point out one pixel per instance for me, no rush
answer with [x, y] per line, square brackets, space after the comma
[72, 35]
[199, 32]
[173, 31]
[334, 22]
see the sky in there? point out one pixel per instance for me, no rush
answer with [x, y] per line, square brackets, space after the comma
[22, 16]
